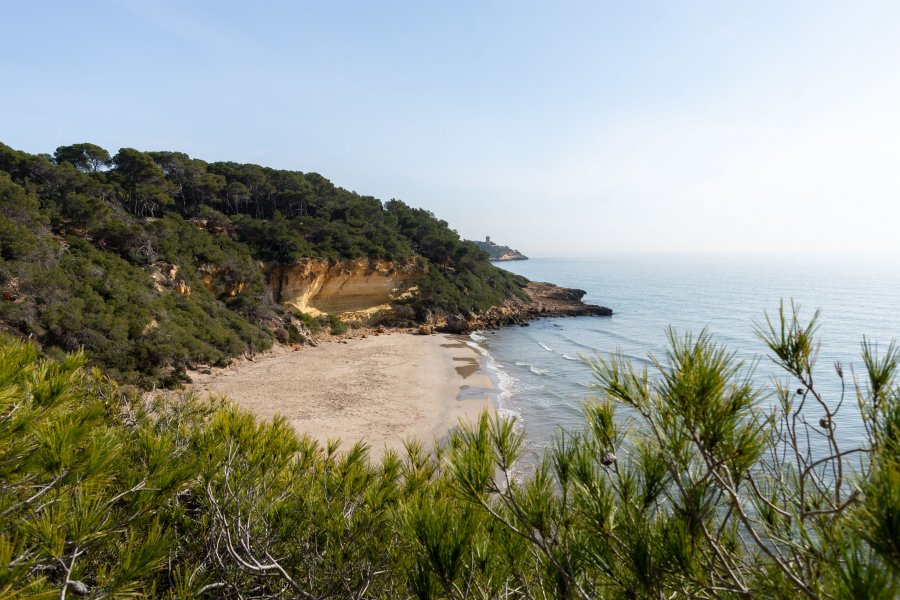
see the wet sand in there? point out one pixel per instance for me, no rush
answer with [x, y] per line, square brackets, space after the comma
[382, 389]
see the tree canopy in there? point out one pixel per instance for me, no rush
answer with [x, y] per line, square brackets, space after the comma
[85, 157]
[92, 248]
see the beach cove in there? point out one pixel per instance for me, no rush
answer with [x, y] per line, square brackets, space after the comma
[380, 389]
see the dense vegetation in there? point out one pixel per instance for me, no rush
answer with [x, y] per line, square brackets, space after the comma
[697, 491]
[154, 261]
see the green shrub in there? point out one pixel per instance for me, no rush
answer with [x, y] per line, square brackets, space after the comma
[294, 335]
[312, 324]
[338, 326]
[700, 489]
[91, 494]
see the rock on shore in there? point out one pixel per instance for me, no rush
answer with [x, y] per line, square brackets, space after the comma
[547, 300]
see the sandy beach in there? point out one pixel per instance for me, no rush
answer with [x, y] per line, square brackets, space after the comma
[382, 389]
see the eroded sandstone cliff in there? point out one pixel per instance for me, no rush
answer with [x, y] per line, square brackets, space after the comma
[350, 287]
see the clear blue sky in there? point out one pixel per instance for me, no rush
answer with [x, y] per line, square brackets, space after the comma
[558, 127]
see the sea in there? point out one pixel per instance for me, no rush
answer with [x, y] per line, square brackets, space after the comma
[543, 380]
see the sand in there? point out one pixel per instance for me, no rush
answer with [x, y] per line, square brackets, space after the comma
[382, 389]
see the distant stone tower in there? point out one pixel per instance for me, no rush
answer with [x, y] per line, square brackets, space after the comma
[488, 239]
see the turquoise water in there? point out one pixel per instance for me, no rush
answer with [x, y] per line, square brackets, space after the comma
[543, 382]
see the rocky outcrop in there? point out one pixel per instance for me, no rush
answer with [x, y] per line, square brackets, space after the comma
[168, 277]
[219, 280]
[551, 300]
[353, 288]
[222, 281]
[547, 300]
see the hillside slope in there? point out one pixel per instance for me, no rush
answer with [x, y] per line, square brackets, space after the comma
[154, 261]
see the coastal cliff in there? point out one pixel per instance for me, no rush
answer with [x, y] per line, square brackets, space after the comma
[352, 288]
[373, 291]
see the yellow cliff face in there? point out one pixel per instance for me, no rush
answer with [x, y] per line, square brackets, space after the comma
[350, 287]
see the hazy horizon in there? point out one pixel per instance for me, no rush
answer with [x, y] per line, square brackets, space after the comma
[701, 128]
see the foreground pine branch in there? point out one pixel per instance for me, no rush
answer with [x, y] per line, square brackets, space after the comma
[687, 481]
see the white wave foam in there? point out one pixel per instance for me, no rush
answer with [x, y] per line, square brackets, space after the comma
[505, 384]
[477, 348]
[538, 370]
[567, 357]
[508, 413]
[476, 337]
[545, 346]
[502, 380]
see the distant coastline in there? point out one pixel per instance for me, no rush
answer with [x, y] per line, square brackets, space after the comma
[507, 258]
[498, 253]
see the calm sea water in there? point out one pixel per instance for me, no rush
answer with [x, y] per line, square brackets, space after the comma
[543, 382]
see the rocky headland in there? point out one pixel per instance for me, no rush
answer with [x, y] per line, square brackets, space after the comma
[496, 252]
[371, 293]
[547, 300]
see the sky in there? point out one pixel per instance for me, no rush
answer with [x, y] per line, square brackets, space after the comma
[725, 127]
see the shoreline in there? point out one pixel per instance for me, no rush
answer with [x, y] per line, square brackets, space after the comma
[381, 389]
